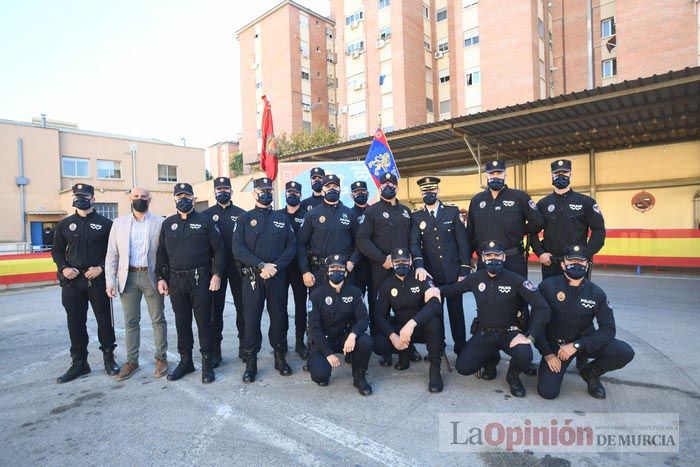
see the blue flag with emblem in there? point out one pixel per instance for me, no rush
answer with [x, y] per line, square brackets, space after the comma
[380, 159]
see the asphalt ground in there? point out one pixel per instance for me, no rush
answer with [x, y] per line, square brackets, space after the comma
[290, 420]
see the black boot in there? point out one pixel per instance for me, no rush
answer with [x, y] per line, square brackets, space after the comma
[581, 362]
[215, 357]
[435, 384]
[323, 382]
[251, 366]
[207, 368]
[404, 360]
[516, 386]
[241, 354]
[184, 367]
[359, 381]
[78, 367]
[490, 368]
[111, 367]
[281, 363]
[591, 375]
[348, 358]
[385, 360]
[301, 349]
[415, 355]
[531, 370]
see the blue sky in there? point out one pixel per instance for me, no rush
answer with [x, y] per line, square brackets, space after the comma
[161, 69]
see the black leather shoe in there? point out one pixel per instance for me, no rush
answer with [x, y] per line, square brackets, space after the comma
[242, 354]
[385, 360]
[516, 386]
[435, 384]
[359, 381]
[281, 363]
[215, 357]
[111, 367]
[591, 375]
[404, 360]
[490, 368]
[301, 349]
[323, 383]
[531, 370]
[78, 367]
[251, 367]
[581, 362]
[184, 367]
[207, 369]
[415, 355]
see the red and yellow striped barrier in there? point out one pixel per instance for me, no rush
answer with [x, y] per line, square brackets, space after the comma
[26, 268]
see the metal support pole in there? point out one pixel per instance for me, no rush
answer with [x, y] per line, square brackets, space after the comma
[591, 171]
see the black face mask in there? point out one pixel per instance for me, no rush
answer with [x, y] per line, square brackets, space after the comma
[139, 205]
[183, 205]
[336, 277]
[561, 181]
[332, 195]
[317, 186]
[265, 198]
[496, 184]
[494, 266]
[81, 203]
[293, 200]
[575, 271]
[402, 270]
[429, 198]
[389, 192]
[223, 197]
[361, 198]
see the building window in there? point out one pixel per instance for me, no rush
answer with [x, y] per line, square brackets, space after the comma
[607, 27]
[387, 101]
[445, 107]
[540, 28]
[75, 167]
[609, 68]
[357, 108]
[304, 49]
[109, 210]
[305, 74]
[383, 3]
[167, 173]
[429, 105]
[468, 3]
[472, 78]
[306, 102]
[429, 74]
[443, 46]
[258, 84]
[358, 46]
[332, 109]
[306, 126]
[444, 75]
[426, 11]
[330, 57]
[542, 70]
[355, 82]
[441, 14]
[426, 43]
[303, 21]
[329, 33]
[385, 33]
[471, 37]
[353, 18]
[109, 169]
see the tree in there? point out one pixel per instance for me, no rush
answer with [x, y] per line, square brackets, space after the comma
[236, 164]
[319, 136]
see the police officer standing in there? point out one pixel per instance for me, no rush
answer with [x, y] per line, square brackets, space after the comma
[440, 248]
[264, 243]
[499, 293]
[225, 214]
[413, 320]
[568, 216]
[79, 249]
[361, 276]
[295, 217]
[316, 198]
[338, 320]
[576, 302]
[386, 226]
[330, 228]
[190, 262]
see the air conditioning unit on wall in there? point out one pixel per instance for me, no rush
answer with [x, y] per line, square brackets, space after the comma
[355, 54]
[381, 43]
[439, 54]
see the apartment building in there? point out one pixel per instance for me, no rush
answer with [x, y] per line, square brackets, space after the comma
[218, 157]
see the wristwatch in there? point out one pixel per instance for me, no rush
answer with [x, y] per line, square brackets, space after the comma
[577, 346]
[531, 338]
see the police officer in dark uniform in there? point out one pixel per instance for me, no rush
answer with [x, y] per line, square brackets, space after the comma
[316, 198]
[568, 216]
[338, 320]
[264, 243]
[295, 217]
[499, 293]
[575, 302]
[330, 228]
[190, 262]
[79, 249]
[440, 248]
[361, 276]
[402, 317]
[386, 226]
[225, 214]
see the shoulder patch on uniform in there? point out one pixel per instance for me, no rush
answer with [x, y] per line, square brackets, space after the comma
[596, 208]
[532, 204]
[529, 286]
[608, 303]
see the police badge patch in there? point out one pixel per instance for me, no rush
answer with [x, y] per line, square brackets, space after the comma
[422, 225]
[529, 286]
[329, 300]
[386, 215]
[561, 296]
[482, 287]
[361, 219]
[215, 217]
[72, 227]
[173, 227]
[482, 204]
[254, 222]
[550, 208]
[394, 292]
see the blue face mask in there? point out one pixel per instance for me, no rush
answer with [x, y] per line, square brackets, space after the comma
[575, 271]
[183, 205]
[293, 200]
[361, 198]
[402, 270]
[429, 198]
[389, 192]
[265, 198]
[494, 266]
[317, 185]
[223, 197]
[81, 203]
[496, 184]
[332, 195]
[336, 277]
[561, 181]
